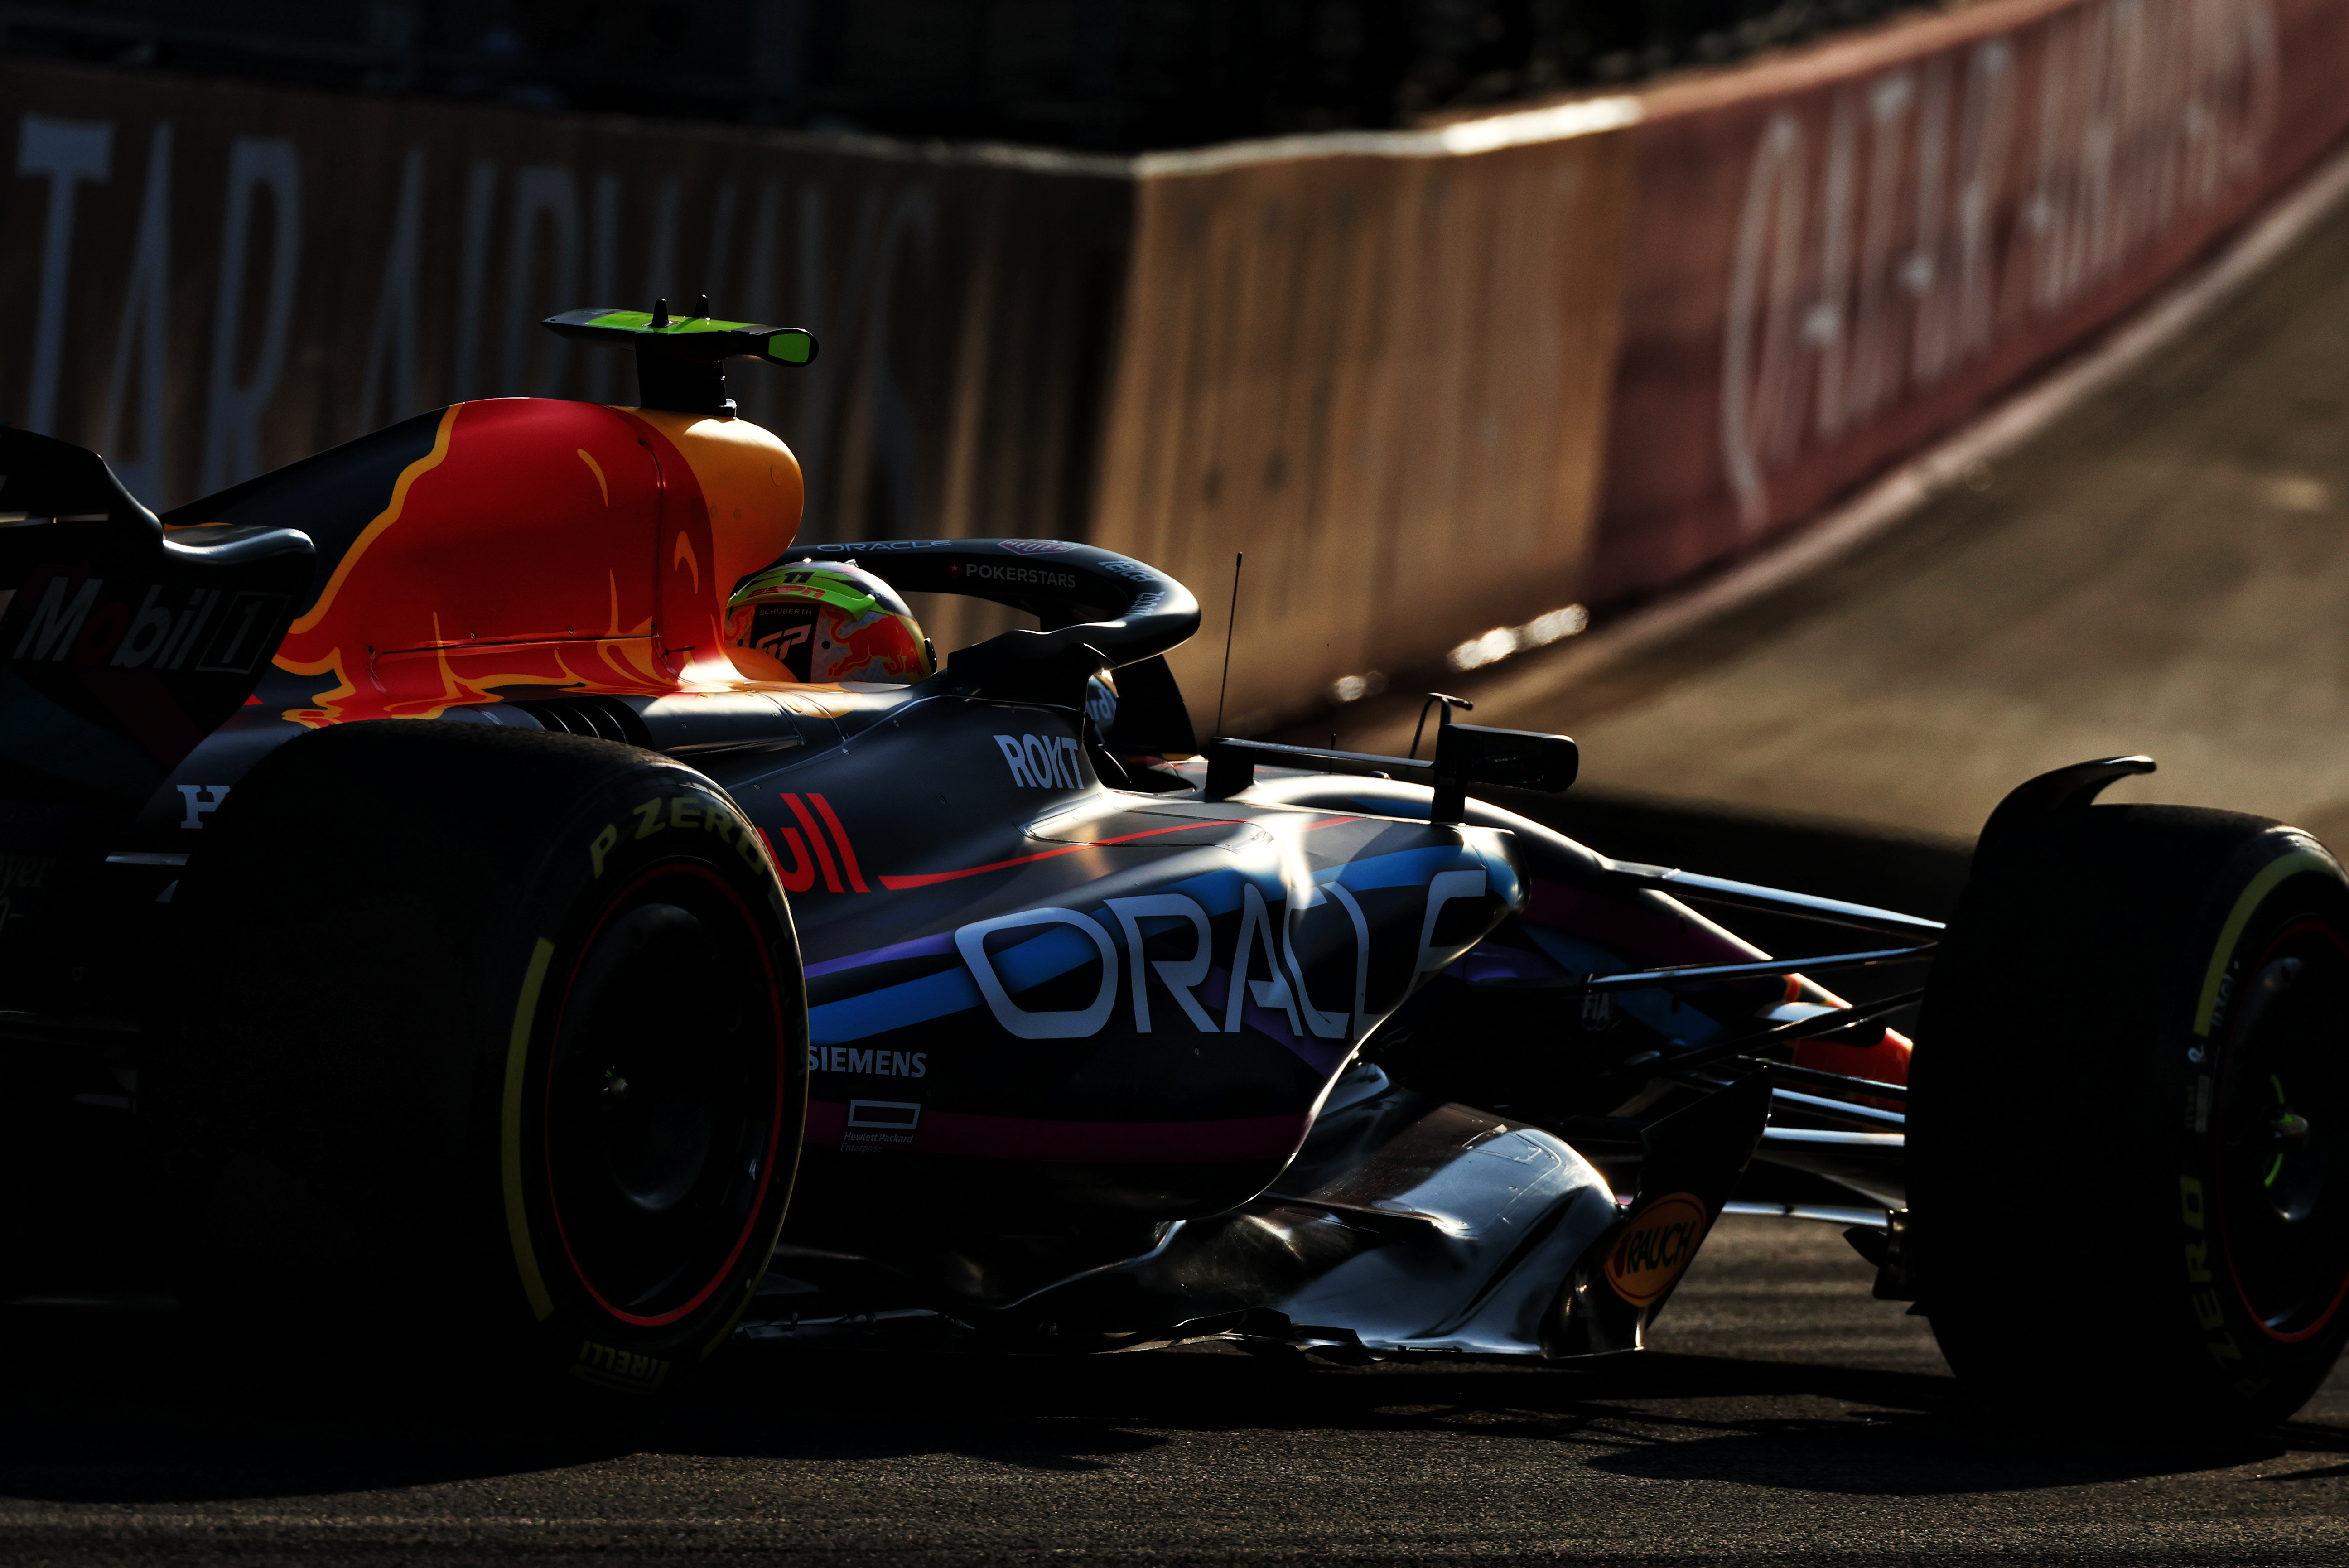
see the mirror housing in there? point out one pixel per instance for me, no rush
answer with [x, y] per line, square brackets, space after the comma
[1464, 754]
[1469, 755]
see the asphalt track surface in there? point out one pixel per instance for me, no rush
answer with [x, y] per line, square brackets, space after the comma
[2165, 570]
[1783, 1417]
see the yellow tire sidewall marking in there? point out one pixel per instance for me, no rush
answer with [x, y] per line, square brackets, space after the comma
[533, 981]
[2292, 864]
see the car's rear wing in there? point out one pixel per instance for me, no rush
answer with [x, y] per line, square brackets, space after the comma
[122, 647]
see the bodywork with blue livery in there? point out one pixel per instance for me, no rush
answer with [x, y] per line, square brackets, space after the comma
[1063, 1030]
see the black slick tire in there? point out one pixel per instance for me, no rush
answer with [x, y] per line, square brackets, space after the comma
[2129, 1120]
[493, 1056]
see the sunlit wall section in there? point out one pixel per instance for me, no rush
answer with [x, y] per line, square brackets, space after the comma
[1377, 365]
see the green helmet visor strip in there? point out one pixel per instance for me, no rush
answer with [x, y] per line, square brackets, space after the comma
[686, 337]
[807, 584]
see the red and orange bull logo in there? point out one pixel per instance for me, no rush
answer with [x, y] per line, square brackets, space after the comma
[547, 545]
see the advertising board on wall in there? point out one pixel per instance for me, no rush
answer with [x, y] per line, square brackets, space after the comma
[213, 279]
[1840, 254]
[1431, 380]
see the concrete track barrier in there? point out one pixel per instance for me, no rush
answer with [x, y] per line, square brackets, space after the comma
[1837, 255]
[209, 279]
[1378, 365]
[1433, 382]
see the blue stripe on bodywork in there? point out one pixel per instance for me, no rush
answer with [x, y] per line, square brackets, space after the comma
[893, 1007]
[1057, 950]
[1050, 953]
[1652, 1007]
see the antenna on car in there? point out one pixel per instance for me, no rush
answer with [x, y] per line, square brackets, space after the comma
[1229, 618]
[1445, 718]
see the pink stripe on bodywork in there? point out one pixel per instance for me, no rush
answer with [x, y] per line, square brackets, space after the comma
[1634, 925]
[1081, 1143]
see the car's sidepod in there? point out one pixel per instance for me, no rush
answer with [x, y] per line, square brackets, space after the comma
[1030, 993]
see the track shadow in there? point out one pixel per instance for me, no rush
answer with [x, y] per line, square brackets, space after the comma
[1753, 1421]
[110, 1417]
[1905, 1454]
[106, 1406]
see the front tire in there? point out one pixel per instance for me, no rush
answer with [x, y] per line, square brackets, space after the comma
[2129, 1131]
[497, 1043]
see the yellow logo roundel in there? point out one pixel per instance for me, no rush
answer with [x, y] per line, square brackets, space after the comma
[1656, 1247]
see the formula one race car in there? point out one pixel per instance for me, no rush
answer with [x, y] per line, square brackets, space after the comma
[414, 918]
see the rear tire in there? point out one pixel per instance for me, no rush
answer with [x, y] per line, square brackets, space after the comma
[2129, 1129]
[497, 1052]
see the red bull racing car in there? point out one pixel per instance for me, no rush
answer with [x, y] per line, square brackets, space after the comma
[485, 883]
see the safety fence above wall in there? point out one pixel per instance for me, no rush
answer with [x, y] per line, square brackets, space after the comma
[1443, 386]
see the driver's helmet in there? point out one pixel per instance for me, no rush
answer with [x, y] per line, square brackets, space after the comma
[815, 622]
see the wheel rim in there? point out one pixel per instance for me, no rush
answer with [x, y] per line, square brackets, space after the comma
[663, 1095]
[2283, 1135]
